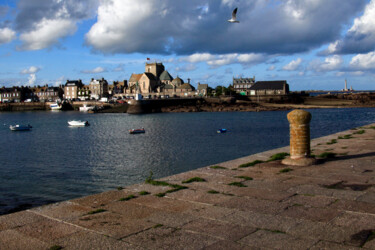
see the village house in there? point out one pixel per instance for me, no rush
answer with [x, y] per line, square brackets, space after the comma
[84, 93]
[46, 93]
[202, 89]
[242, 85]
[117, 88]
[269, 88]
[98, 88]
[14, 94]
[71, 89]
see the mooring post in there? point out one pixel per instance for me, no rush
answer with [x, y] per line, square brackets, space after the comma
[299, 121]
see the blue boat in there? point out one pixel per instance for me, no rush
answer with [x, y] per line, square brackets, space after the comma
[20, 127]
[222, 130]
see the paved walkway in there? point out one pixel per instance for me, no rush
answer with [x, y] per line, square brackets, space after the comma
[266, 206]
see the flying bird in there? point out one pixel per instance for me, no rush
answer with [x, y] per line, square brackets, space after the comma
[234, 18]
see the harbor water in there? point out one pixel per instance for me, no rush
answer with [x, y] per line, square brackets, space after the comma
[55, 162]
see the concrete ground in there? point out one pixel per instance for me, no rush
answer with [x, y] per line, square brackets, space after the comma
[330, 205]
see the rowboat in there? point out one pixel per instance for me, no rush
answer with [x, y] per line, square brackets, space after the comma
[20, 127]
[137, 131]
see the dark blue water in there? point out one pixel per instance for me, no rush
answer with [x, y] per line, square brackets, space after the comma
[55, 162]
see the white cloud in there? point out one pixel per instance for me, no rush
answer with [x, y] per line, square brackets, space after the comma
[94, 71]
[360, 38]
[363, 61]
[199, 57]
[290, 26]
[293, 65]
[32, 79]
[331, 63]
[31, 70]
[7, 35]
[47, 33]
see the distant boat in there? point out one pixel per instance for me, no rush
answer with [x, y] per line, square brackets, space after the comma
[20, 127]
[222, 130]
[86, 108]
[75, 123]
[137, 131]
[55, 106]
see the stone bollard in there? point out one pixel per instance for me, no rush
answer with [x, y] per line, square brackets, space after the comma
[299, 139]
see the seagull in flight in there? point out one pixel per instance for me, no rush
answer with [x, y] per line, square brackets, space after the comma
[234, 18]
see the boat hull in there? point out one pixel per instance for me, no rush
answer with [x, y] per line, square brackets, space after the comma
[78, 123]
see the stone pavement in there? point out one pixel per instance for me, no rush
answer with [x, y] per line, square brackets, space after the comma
[330, 205]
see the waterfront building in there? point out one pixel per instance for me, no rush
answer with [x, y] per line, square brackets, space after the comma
[71, 89]
[117, 88]
[242, 85]
[270, 88]
[202, 89]
[84, 93]
[46, 93]
[15, 94]
[98, 88]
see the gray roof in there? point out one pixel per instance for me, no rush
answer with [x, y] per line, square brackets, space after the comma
[168, 86]
[165, 76]
[178, 81]
[274, 85]
[186, 86]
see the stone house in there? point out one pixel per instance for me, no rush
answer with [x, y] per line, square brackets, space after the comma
[270, 88]
[242, 85]
[84, 93]
[46, 93]
[98, 88]
[202, 89]
[71, 89]
[12, 94]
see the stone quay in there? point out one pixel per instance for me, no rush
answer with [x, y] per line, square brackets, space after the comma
[254, 202]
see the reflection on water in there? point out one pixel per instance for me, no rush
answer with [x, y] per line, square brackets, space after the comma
[56, 162]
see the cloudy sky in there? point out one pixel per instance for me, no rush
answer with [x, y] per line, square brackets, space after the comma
[313, 44]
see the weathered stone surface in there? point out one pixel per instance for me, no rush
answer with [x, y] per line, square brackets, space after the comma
[326, 206]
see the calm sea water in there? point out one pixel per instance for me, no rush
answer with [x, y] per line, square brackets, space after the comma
[55, 162]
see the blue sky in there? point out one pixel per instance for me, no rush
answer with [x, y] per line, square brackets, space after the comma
[313, 44]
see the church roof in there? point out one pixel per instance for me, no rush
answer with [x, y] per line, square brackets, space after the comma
[135, 77]
[165, 76]
[178, 81]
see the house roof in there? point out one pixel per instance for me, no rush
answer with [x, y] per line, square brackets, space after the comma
[186, 86]
[165, 76]
[260, 85]
[178, 81]
[135, 77]
[168, 86]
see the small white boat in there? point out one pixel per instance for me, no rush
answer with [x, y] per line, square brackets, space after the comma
[55, 106]
[86, 108]
[20, 127]
[137, 131]
[75, 123]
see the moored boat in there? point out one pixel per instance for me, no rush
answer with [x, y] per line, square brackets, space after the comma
[86, 108]
[55, 106]
[76, 123]
[137, 131]
[20, 127]
[222, 130]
